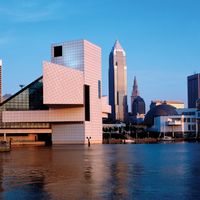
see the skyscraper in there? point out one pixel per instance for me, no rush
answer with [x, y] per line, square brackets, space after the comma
[193, 86]
[118, 82]
[137, 103]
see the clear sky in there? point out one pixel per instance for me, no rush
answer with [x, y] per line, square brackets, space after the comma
[161, 39]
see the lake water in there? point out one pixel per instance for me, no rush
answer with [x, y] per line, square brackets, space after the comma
[149, 171]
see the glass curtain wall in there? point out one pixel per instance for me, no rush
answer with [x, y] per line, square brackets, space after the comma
[29, 98]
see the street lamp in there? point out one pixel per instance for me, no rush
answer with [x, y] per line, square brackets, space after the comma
[88, 138]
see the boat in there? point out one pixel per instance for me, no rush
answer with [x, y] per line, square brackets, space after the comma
[5, 146]
[129, 141]
[167, 139]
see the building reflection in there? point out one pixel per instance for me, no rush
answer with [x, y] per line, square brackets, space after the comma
[77, 175]
[124, 174]
[70, 172]
[24, 176]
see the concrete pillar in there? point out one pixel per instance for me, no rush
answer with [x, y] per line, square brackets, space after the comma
[4, 136]
[173, 131]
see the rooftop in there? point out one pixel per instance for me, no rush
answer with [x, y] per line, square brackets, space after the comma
[117, 47]
[167, 102]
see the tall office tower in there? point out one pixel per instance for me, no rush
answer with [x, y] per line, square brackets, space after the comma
[118, 83]
[193, 86]
[137, 103]
[0, 81]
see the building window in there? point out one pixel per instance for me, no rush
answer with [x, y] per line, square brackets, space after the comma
[116, 63]
[87, 102]
[188, 119]
[188, 113]
[99, 89]
[117, 98]
[193, 127]
[193, 120]
[189, 127]
[57, 51]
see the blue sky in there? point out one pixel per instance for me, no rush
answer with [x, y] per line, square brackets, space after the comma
[161, 39]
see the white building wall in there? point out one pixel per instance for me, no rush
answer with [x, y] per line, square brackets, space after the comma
[92, 73]
[63, 89]
[85, 56]
[160, 124]
[68, 134]
[62, 85]
[52, 115]
[105, 107]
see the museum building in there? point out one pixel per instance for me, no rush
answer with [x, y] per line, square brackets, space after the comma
[65, 104]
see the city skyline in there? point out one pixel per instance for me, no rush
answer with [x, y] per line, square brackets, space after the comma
[161, 40]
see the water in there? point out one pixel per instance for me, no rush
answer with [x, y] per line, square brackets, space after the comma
[149, 171]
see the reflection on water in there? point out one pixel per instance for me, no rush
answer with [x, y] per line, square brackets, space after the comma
[157, 171]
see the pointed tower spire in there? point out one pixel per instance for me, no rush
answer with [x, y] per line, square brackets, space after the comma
[117, 47]
[137, 103]
[135, 91]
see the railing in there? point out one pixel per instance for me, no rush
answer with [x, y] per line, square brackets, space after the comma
[173, 123]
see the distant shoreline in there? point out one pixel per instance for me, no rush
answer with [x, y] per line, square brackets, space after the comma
[147, 141]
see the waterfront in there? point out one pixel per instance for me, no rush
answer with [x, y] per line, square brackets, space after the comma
[146, 171]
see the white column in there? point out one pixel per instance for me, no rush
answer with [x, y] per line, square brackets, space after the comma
[4, 136]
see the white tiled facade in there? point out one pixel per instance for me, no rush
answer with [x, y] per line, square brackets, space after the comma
[51, 115]
[84, 59]
[105, 107]
[65, 82]
[92, 74]
[63, 85]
